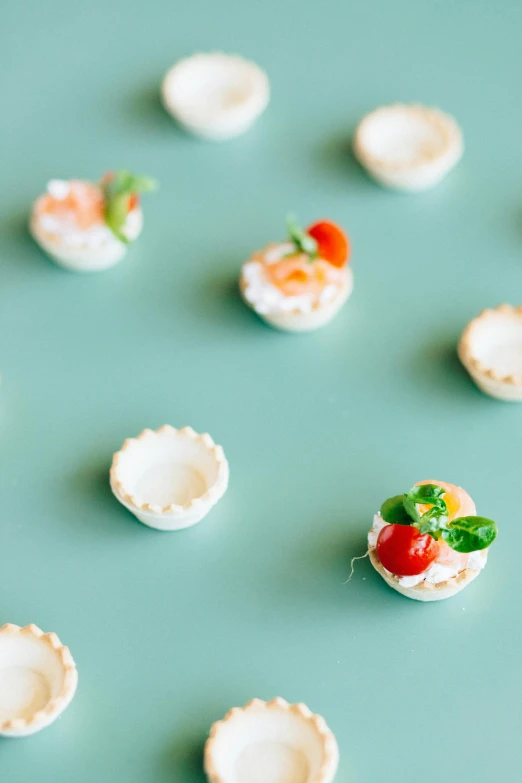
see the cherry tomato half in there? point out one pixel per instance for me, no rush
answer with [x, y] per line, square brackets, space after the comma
[404, 551]
[332, 243]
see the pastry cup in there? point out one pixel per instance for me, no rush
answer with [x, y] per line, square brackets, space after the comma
[216, 96]
[38, 679]
[84, 258]
[408, 146]
[425, 591]
[491, 351]
[169, 479]
[273, 742]
[299, 321]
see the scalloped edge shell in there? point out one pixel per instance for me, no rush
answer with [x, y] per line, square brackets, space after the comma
[173, 516]
[229, 124]
[295, 320]
[503, 387]
[330, 763]
[20, 727]
[426, 172]
[425, 591]
[81, 259]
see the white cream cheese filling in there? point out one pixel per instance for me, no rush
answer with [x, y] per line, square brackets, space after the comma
[65, 230]
[266, 298]
[437, 572]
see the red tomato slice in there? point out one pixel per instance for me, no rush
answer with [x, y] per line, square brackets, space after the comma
[332, 243]
[134, 200]
[404, 551]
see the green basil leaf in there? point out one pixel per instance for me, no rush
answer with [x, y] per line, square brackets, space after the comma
[427, 493]
[411, 508]
[436, 516]
[124, 182]
[116, 211]
[393, 511]
[432, 522]
[467, 534]
[117, 191]
[303, 241]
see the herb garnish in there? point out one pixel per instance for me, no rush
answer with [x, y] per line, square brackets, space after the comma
[464, 534]
[303, 242]
[118, 188]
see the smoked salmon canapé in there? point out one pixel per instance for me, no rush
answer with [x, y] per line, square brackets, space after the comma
[87, 226]
[429, 543]
[300, 284]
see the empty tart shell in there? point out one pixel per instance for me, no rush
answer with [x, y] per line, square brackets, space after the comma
[408, 146]
[38, 679]
[271, 742]
[216, 96]
[491, 351]
[169, 478]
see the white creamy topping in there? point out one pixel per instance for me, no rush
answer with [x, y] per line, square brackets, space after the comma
[437, 572]
[477, 560]
[58, 189]
[266, 298]
[69, 234]
[64, 228]
[373, 535]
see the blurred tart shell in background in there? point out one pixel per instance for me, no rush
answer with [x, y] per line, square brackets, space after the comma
[408, 146]
[216, 96]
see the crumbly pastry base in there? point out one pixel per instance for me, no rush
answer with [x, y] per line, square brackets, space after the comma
[81, 259]
[297, 321]
[423, 173]
[425, 591]
[503, 386]
[219, 745]
[43, 717]
[145, 449]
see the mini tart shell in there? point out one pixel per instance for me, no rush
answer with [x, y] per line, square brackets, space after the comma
[420, 174]
[297, 321]
[40, 719]
[500, 385]
[229, 122]
[172, 516]
[324, 737]
[425, 591]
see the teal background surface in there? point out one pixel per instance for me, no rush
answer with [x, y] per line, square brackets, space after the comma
[171, 630]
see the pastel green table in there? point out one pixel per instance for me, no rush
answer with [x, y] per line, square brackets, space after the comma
[170, 630]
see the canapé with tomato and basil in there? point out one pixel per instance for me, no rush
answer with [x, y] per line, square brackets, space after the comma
[429, 543]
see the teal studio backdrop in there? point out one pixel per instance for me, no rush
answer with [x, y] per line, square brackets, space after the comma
[171, 630]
